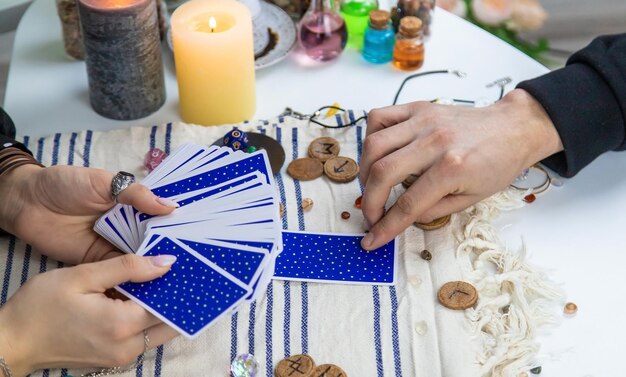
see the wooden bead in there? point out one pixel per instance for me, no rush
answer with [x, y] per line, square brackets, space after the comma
[357, 202]
[307, 204]
[570, 308]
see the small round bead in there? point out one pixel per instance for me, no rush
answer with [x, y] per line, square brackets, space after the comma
[345, 215]
[426, 255]
[421, 327]
[530, 198]
[357, 202]
[307, 203]
[570, 308]
[536, 370]
[251, 149]
[556, 182]
[153, 158]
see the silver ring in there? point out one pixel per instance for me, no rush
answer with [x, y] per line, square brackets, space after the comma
[120, 182]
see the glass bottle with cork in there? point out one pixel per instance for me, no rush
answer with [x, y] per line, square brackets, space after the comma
[422, 9]
[408, 52]
[322, 32]
[379, 38]
[356, 14]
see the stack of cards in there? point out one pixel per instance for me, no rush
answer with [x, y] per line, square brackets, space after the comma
[226, 235]
[228, 240]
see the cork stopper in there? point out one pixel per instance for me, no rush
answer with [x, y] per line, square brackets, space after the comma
[410, 26]
[379, 19]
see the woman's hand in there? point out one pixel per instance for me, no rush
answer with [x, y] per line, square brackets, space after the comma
[461, 155]
[62, 318]
[54, 209]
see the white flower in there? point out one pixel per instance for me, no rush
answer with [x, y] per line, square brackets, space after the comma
[492, 12]
[527, 15]
[457, 7]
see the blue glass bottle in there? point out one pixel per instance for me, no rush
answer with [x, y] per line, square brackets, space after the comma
[379, 38]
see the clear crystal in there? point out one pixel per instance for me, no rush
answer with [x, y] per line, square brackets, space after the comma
[244, 365]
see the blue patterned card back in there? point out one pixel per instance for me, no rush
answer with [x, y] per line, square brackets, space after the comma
[243, 264]
[256, 162]
[334, 258]
[191, 296]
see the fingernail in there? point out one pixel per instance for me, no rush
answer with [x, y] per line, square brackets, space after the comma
[163, 260]
[367, 241]
[168, 203]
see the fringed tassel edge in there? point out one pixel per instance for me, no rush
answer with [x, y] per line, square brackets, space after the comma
[516, 298]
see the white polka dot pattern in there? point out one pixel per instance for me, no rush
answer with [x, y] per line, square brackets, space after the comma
[332, 257]
[191, 295]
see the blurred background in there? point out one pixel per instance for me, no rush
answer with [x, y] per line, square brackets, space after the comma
[569, 26]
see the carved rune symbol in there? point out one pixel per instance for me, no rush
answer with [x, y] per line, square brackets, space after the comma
[327, 147]
[457, 291]
[295, 366]
[325, 373]
[339, 169]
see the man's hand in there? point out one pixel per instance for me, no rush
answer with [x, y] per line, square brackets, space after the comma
[461, 155]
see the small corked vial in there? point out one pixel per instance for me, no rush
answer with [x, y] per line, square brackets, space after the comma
[379, 38]
[408, 53]
[307, 204]
[570, 309]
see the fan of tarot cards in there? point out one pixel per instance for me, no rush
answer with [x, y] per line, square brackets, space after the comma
[228, 240]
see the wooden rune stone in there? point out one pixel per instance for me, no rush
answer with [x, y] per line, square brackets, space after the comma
[295, 366]
[329, 370]
[341, 169]
[435, 224]
[457, 295]
[324, 148]
[305, 169]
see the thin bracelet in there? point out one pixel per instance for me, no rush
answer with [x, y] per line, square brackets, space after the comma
[5, 368]
[11, 159]
[539, 188]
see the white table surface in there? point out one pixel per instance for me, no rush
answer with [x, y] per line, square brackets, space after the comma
[577, 231]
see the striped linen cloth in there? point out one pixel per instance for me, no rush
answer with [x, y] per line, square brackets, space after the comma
[367, 330]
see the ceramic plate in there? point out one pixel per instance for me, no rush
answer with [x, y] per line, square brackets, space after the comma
[283, 36]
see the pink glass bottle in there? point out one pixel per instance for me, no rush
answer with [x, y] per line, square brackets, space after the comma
[322, 32]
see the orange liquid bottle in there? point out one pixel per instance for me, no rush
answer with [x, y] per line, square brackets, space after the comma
[408, 53]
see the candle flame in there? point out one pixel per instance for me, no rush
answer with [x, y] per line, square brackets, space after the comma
[212, 23]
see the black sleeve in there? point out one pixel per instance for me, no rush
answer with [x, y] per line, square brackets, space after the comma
[586, 101]
[7, 133]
